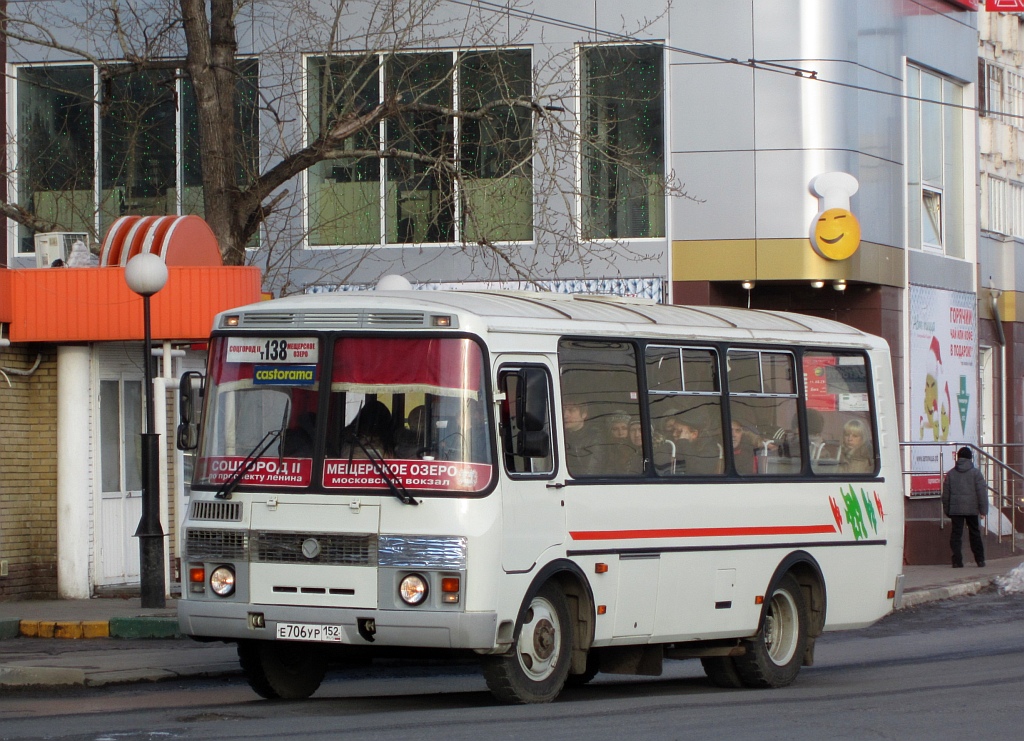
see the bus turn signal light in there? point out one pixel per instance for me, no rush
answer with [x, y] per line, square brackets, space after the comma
[601, 568]
[197, 579]
[450, 586]
[759, 599]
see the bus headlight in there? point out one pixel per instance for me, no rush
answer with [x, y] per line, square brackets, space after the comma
[413, 589]
[222, 581]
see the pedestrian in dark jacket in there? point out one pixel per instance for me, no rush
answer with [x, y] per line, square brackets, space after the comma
[964, 500]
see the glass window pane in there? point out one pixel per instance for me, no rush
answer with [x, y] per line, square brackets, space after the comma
[138, 174]
[777, 373]
[744, 372]
[496, 151]
[623, 151]
[764, 427]
[344, 193]
[56, 150]
[931, 130]
[840, 435]
[510, 383]
[110, 435]
[913, 158]
[246, 136]
[599, 401]
[931, 217]
[419, 200]
[953, 163]
[664, 369]
[132, 409]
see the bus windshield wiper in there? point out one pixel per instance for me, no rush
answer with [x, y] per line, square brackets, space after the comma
[380, 465]
[224, 492]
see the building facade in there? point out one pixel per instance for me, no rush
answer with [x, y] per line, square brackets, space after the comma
[679, 150]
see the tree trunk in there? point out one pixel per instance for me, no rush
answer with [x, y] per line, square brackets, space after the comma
[211, 65]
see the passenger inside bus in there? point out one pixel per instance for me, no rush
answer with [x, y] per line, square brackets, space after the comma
[580, 440]
[621, 456]
[856, 454]
[412, 440]
[372, 430]
[298, 440]
[696, 453]
[744, 449]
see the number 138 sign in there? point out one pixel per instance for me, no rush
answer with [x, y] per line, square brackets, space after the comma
[273, 350]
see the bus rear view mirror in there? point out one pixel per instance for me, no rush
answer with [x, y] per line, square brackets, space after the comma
[533, 440]
[190, 394]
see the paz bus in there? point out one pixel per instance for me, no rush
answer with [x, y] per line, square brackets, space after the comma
[559, 484]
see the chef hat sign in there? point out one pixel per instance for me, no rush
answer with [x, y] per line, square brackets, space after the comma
[835, 233]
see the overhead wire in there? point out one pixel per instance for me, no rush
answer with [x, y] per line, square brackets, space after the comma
[762, 65]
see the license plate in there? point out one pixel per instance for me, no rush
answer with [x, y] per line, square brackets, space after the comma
[310, 632]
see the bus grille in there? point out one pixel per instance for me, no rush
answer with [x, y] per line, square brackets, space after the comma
[216, 544]
[333, 548]
[225, 511]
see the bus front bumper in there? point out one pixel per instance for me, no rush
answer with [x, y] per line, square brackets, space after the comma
[422, 628]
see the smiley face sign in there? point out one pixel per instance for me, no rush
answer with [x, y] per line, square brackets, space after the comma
[836, 234]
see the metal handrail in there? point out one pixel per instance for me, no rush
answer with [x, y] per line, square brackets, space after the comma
[1003, 481]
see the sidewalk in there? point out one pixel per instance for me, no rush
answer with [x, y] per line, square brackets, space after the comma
[157, 652]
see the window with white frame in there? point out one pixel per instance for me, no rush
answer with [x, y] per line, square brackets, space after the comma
[147, 145]
[1005, 202]
[622, 105]
[935, 163]
[446, 178]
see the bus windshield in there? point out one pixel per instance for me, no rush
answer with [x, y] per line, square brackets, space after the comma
[398, 411]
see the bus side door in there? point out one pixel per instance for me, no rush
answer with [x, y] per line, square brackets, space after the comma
[533, 518]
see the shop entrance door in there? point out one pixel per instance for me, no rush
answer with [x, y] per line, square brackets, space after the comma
[121, 481]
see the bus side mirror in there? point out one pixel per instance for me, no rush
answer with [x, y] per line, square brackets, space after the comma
[533, 440]
[190, 393]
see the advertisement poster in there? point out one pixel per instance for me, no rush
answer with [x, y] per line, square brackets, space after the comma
[943, 404]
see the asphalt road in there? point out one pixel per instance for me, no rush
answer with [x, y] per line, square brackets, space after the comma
[945, 670]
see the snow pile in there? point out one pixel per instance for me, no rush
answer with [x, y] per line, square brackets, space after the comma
[1012, 582]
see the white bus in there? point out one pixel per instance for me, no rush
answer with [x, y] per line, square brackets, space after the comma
[561, 484]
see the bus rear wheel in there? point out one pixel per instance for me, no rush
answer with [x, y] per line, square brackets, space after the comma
[773, 657]
[536, 669]
[286, 671]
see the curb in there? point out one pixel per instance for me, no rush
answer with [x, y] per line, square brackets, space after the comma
[9, 628]
[28, 676]
[920, 597]
[127, 628]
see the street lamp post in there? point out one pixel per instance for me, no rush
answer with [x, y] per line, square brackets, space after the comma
[146, 274]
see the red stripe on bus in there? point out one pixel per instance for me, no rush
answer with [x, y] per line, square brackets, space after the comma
[702, 532]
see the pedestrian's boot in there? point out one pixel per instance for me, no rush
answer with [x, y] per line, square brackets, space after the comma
[958, 563]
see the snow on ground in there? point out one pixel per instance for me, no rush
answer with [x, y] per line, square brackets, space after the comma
[1013, 581]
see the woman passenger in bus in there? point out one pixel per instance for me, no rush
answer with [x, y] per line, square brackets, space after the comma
[856, 454]
[622, 454]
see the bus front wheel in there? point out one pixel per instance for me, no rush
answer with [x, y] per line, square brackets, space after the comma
[536, 669]
[287, 671]
[773, 657]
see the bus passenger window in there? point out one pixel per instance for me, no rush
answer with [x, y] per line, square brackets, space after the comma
[841, 437]
[685, 399]
[765, 437]
[599, 385]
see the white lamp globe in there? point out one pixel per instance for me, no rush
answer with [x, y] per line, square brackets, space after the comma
[145, 274]
[394, 283]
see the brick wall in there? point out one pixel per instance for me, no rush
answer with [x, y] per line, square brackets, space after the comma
[28, 474]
